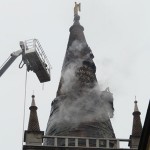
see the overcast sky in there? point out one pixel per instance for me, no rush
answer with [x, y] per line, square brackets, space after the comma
[118, 32]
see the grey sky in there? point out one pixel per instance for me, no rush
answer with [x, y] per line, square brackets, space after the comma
[118, 33]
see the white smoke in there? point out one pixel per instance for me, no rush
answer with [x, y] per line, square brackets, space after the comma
[77, 46]
[89, 105]
[83, 108]
[69, 78]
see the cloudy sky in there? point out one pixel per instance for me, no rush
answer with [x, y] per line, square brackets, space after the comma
[118, 33]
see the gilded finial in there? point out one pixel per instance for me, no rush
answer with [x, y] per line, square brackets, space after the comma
[77, 8]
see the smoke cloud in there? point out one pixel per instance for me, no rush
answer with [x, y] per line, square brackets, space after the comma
[76, 105]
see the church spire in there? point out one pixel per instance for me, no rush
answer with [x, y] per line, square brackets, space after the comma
[78, 52]
[80, 109]
[33, 120]
[33, 135]
[136, 128]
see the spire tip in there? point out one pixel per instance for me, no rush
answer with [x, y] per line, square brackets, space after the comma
[33, 96]
[136, 106]
[77, 8]
[135, 100]
[33, 101]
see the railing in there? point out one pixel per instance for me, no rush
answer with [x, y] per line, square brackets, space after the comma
[36, 46]
[86, 142]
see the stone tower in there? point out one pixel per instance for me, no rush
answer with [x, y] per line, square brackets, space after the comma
[136, 128]
[80, 108]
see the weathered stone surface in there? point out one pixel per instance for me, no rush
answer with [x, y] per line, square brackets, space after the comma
[80, 107]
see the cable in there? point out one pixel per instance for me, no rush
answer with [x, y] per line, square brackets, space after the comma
[24, 107]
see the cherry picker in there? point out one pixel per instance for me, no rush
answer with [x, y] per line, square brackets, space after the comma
[33, 57]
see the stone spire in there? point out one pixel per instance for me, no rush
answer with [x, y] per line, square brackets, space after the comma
[80, 108]
[136, 128]
[33, 124]
[33, 135]
[78, 50]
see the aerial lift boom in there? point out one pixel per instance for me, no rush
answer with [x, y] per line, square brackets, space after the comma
[9, 61]
[34, 58]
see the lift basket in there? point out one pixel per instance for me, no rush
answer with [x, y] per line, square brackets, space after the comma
[37, 60]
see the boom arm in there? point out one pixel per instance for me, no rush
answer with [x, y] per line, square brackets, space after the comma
[9, 61]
